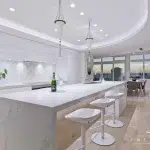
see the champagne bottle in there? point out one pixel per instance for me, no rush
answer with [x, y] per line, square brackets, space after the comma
[53, 84]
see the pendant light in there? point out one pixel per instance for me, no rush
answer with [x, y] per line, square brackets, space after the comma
[89, 41]
[89, 38]
[60, 22]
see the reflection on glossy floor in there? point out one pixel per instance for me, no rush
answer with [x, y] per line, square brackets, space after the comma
[137, 136]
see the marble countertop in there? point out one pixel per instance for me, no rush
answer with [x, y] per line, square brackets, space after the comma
[67, 96]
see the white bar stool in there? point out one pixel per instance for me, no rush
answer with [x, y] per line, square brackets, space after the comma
[103, 138]
[84, 116]
[113, 122]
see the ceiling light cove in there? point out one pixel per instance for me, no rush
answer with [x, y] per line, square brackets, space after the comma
[72, 5]
[81, 13]
[12, 9]
[78, 40]
[45, 31]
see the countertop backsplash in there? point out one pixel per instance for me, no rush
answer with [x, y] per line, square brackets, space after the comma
[68, 68]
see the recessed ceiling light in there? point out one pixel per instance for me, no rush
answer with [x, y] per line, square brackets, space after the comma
[101, 30]
[78, 40]
[12, 9]
[81, 13]
[72, 5]
[9, 59]
[95, 25]
[106, 34]
[55, 30]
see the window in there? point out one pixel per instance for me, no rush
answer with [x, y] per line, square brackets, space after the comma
[107, 59]
[147, 69]
[119, 71]
[139, 67]
[147, 56]
[136, 57]
[136, 69]
[97, 60]
[136, 66]
[107, 72]
[120, 58]
[97, 72]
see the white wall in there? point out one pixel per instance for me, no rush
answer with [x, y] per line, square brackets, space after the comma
[43, 56]
[75, 68]
[69, 68]
[19, 72]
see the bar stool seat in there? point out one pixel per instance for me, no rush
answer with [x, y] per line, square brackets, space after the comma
[113, 122]
[84, 116]
[103, 102]
[102, 138]
[114, 95]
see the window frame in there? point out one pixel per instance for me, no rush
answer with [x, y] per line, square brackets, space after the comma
[143, 59]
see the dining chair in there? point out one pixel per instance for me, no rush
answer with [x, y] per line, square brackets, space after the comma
[132, 86]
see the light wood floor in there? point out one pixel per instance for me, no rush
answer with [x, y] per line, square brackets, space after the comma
[137, 136]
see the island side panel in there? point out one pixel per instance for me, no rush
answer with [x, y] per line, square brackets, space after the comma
[120, 104]
[26, 126]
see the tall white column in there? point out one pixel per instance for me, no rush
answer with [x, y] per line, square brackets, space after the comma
[113, 69]
[101, 69]
[127, 67]
[143, 66]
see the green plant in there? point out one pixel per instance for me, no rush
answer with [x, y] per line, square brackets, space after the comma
[3, 74]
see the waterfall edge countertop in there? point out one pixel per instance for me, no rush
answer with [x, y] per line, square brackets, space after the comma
[69, 95]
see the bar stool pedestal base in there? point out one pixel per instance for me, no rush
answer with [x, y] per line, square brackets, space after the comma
[108, 139]
[117, 124]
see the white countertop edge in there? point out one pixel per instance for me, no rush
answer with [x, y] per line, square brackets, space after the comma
[83, 99]
[59, 101]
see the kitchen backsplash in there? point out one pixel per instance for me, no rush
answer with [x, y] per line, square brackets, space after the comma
[69, 68]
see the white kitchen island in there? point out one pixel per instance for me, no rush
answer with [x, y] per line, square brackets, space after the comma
[28, 119]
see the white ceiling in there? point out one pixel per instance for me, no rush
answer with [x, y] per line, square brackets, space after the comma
[121, 20]
[131, 45]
